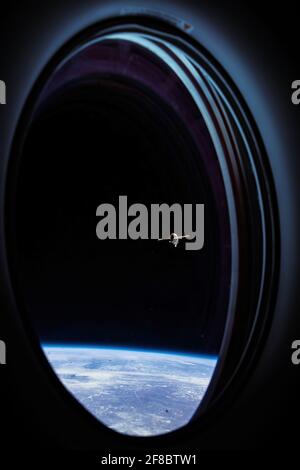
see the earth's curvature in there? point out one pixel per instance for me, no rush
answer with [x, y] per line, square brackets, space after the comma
[139, 393]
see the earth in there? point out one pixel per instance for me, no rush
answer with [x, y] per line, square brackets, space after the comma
[140, 393]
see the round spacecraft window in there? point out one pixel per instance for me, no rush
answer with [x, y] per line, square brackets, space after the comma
[146, 334]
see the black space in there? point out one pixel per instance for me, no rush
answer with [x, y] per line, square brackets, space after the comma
[92, 143]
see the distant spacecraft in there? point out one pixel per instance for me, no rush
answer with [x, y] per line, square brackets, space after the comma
[174, 238]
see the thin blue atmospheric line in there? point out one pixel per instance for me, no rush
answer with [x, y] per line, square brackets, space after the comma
[119, 348]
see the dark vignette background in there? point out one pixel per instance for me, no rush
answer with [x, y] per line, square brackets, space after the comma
[277, 26]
